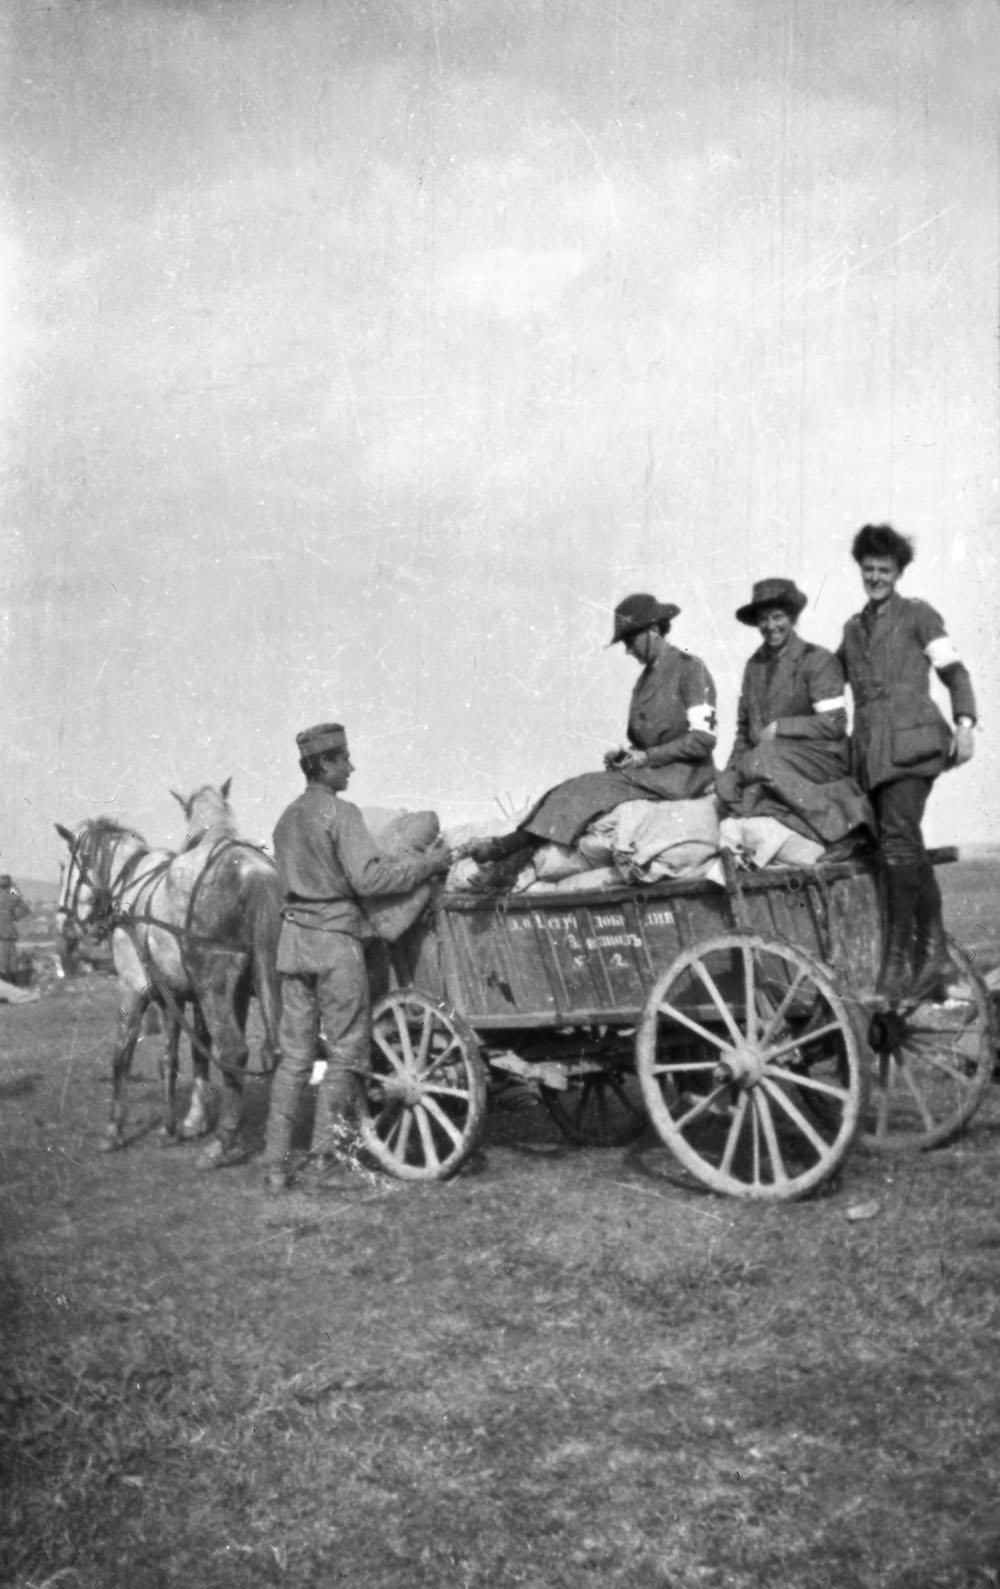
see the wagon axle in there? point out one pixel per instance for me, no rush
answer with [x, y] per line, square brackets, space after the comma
[744, 1067]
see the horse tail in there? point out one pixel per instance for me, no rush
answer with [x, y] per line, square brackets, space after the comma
[264, 956]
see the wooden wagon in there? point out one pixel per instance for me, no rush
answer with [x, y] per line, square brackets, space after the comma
[729, 1019]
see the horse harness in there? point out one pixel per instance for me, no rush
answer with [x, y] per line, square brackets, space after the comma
[108, 917]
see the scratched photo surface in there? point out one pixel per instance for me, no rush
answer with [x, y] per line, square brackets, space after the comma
[359, 358]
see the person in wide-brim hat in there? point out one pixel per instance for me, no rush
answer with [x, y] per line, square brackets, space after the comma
[789, 760]
[671, 736]
[773, 593]
[635, 613]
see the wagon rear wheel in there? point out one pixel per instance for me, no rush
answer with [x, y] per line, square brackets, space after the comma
[750, 1067]
[931, 1065]
[602, 1109]
[426, 1100]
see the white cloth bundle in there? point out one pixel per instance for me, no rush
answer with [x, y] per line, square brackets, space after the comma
[764, 841]
[655, 839]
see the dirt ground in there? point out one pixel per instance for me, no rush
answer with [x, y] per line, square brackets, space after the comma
[563, 1368]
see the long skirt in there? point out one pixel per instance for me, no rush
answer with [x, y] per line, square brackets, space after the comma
[561, 815]
[792, 782]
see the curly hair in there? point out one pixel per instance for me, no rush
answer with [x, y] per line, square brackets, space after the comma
[881, 540]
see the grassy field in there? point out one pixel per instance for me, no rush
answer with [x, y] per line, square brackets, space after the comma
[565, 1368]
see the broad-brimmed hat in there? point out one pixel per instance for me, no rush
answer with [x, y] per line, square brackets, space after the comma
[773, 593]
[639, 612]
[321, 737]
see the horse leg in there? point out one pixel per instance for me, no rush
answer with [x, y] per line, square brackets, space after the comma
[130, 1014]
[227, 1003]
[168, 1078]
[196, 1121]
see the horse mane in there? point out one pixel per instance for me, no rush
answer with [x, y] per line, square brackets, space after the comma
[108, 827]
[209, 815]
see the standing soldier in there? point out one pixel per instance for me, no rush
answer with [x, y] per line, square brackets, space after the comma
[12, 909]
[327, 864]
[901, 744]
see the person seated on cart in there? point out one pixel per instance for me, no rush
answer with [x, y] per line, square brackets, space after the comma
[901, 744]
[790, 757]
[328, 866]
[671, 736]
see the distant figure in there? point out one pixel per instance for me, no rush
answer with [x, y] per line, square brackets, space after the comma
[12, 909]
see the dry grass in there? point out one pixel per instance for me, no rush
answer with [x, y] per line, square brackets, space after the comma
[564, 1369]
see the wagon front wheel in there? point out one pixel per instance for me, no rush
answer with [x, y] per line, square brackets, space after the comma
[426, 1096]
[750, 1067]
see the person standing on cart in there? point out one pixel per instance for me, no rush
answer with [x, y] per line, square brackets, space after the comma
[328, 863]
[671, 737]
[901, 743]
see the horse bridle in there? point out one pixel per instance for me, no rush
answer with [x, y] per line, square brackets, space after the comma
[105, 896]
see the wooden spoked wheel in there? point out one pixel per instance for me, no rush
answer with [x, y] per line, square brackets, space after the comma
[601, 1109]
[426, 1102]
[750, 1067]
[931, 1064]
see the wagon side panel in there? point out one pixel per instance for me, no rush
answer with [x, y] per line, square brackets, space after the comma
[554, 960]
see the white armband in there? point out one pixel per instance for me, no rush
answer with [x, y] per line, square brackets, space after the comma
[702, 719]
[941, 653]
[836, 703]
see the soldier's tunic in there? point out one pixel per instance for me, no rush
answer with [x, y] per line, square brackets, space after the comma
[802, 776]
[672, 717]
[12, 909]
[887, 653]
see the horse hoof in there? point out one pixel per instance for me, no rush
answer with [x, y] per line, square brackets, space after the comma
[111, 1143]
[192, 1133]
[167, 1138]
[217, 1156]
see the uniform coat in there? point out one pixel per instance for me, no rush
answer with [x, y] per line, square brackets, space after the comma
[898, 730]
[327, 864]
[801, 776]
[672, 718]
[12, 909]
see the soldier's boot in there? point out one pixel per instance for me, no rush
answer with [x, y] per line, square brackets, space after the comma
[338, 1144]
[932, 967]
[900, 887]
[499, 848]
[280, 1164]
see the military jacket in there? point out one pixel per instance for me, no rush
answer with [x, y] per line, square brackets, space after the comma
[12, 908]
[672, 712]
[327, 862]
[887, 653]
[802, 693]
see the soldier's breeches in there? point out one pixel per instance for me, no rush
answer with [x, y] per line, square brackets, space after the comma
[337, 995]
[899, 810]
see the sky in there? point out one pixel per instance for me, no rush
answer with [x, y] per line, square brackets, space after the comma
[360, 356]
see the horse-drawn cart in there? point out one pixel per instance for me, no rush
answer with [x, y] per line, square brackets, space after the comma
[730, 1019]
